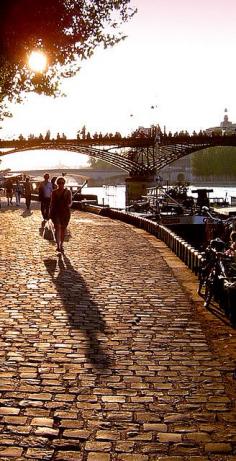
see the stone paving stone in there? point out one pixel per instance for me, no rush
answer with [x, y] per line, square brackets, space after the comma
[11, 452]
[18, 420]
[104, 355]
[134, 457]
[9, 411]
[68, 456]
[98, 457]
[218, 447]
[36, 453]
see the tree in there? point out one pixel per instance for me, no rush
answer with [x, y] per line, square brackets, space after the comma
[99, 164]
[67, 31]
[217, 161]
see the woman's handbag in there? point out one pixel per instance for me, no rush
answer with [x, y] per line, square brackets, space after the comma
[49, 232]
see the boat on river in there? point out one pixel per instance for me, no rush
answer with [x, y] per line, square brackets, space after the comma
[174, 208]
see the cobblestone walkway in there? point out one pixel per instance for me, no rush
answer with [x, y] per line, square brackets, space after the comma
[103, 356]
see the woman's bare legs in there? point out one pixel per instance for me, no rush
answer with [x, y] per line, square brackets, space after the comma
[60, 236]
[63, 230]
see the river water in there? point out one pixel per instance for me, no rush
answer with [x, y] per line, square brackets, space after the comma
[114, 196]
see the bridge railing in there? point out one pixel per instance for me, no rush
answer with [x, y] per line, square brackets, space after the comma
[141, 140]
[186, 252]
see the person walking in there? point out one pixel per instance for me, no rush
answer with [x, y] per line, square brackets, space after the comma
[45, 192]
[61, 201]
[18, 191]
[9, 191]
[53, 181]
[28, 191]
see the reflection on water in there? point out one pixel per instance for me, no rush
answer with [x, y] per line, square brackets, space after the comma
[114, 196]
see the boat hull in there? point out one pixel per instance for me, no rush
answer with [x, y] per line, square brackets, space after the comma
[183, 220]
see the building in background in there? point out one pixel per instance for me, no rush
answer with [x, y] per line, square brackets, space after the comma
[226, 127]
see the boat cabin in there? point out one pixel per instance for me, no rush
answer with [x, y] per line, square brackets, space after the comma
[202, 197]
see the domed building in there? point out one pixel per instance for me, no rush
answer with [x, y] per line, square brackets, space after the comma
[225, 126]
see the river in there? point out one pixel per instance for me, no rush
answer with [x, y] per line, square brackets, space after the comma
[114, 196]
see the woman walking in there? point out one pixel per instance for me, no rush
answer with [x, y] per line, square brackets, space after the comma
[61, 200]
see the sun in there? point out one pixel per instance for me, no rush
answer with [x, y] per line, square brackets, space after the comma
[37, 61]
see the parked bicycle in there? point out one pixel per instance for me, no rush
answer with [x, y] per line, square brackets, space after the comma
[217, 278]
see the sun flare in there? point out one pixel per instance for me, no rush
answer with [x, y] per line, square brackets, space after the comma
[37, 61]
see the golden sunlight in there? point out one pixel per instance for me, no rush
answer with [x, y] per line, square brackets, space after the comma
[37, 61]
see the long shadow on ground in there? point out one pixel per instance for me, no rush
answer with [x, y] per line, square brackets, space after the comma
[82, 311]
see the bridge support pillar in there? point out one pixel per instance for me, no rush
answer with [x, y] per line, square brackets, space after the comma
[136, 187]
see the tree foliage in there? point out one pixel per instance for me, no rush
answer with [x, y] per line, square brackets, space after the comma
[67, 31]
[98, 164]
[218, 161]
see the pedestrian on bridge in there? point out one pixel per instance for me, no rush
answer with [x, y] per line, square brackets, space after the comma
[45, 192]
[61, 201]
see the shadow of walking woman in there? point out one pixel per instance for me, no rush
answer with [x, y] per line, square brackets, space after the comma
[82, 311]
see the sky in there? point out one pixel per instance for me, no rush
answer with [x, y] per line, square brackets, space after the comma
[179, 57]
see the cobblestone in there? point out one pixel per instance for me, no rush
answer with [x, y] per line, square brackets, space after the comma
[105, 352]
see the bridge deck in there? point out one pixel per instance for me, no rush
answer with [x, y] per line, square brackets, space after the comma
[106, 354]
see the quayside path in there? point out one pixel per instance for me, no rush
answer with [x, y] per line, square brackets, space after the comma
[106, 353]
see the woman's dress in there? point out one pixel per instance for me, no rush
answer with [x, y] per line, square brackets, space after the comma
[60, 207]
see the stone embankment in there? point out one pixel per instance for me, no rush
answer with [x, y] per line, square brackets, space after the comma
[106, 353]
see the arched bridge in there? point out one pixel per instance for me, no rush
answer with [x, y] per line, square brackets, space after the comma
[139, 156]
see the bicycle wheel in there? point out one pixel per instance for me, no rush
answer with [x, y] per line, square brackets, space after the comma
[200, 285]
[202, 275]
[209, 289]
[232, 306]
